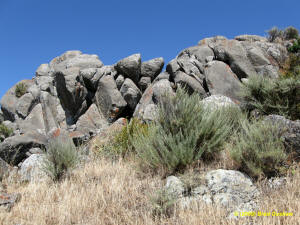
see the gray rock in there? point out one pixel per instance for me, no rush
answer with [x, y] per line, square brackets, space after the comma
[72, 93]
[152, 67]
[91, 122]
[32, 169]
[131, 93]
[161, 76]
[34, 121]
[7, 201]
[45, 83]
[200, 53]
[35, 91]
[13, 149]
[25, 104]
[291, 132]
[1, 116]
[210, 42]
[221, 80]
[189, 82]
[146, 109]
[217, 101]
[119, 81]
[130, 67]
[144, 83]
[173, 67]
[43, 70]
[108, 98]
[10, 124]
[250, 38]
[9, 101]
[89, 78]
[174, 186]
[84, 61]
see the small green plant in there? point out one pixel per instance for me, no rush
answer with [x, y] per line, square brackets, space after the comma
[5, 131]
[290, 33]
[184, 132]
[21, 89]
[258, 149]
[61, 156]
[273, 96]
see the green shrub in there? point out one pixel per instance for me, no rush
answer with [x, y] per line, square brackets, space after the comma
[184, 132]
[258, 149]
[274, 33]
[273, 96]
[290, 33]
[5, 131]
[20, 90]
[295, 48]
[120, 144]
[61, 156]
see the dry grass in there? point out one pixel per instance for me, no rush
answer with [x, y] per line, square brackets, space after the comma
[104, 192]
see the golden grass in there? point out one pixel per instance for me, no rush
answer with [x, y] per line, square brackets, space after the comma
[105, 192]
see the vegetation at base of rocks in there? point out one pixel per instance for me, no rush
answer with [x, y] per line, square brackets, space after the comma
[61, 156]
[258, 149]
[5, 131]
[163, 204]
[273, 96]
[286, 34]
[20, 90]
[184, 132]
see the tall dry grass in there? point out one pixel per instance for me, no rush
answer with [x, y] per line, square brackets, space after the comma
[105, 192]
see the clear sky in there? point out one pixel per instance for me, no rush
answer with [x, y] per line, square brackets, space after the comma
[33, 32]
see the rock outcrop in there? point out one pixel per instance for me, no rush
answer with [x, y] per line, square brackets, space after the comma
[77, 95]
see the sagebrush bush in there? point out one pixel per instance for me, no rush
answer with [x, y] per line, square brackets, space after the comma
[273, 96]
[184, 132]
[290, 33]
[20, 90]
[121, 144]
[258, 149]
[5, 131]
[274, 33]
[61, 156]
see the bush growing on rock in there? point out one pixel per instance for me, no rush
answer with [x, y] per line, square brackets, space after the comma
[61, 156]
[274, 33]
[21, 89]
[273, 96]
[290, 33]
[184, 132]
[258, 149]
[5, 131]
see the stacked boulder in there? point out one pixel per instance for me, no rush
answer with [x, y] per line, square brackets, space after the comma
[77, 95]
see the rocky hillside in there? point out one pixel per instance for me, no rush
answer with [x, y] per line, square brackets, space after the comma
[75, 94]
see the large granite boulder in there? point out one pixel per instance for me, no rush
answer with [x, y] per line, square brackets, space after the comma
[109, 99]
[131, 93]
[152, 67]
[130, 67]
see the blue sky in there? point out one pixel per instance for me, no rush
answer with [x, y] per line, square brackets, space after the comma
[33, 32]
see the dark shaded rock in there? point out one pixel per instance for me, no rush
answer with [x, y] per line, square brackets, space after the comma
[72, 93]
[131, 93]
[4, 169]
[161, 76]
[144, 83]
[221, 80]
[13, 149]
[109, 99]
[130, 67]
[152, 67]
[173, 67]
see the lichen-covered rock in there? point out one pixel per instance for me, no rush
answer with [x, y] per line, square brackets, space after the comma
[130, 67]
